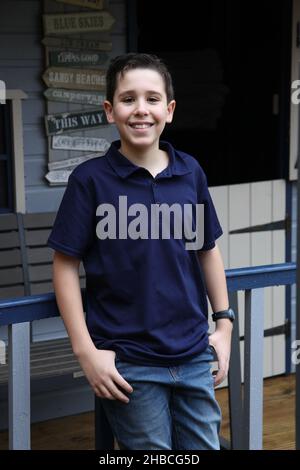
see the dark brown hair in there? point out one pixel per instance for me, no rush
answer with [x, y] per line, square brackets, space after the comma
[122, 63]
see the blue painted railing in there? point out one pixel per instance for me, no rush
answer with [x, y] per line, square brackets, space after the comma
[246, 414]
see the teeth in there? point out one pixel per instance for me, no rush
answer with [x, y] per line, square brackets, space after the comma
[140, 126]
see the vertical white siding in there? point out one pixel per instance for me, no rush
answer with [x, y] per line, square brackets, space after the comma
[242, 206]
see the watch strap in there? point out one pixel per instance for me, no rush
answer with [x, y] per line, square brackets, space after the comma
[229, 314]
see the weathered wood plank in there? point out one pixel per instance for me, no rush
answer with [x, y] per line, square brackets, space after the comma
[41, 288]
[92, 144]
[72, 162]
[11, 276]
[36, 237]
[39, 219]
[12, 291]
[78, 79]
[69, 122]
[9, 240]
[77, 43]
[77, 59]
[77, 23]
[93, 98]
[94, 4]
[10, 258]
[58, 177]
[8, 222]
[39, 255]
[38, 273]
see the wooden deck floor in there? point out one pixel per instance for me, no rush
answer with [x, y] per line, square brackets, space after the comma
[77, 432]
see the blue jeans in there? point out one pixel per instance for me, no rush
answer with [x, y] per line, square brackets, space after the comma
[169, 408]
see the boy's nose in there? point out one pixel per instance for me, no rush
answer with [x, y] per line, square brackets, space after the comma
[141, 107]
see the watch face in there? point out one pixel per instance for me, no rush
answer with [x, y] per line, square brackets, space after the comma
[231, 314]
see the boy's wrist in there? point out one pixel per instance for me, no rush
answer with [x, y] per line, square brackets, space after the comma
[224, 324]
[83, 348]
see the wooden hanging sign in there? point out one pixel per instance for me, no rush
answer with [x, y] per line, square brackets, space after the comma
[94, 98]
[66, 122]
[77, 23]
[77, 43]
[77, 59]
[94, 4]
[85, 144]
[72, 162]
[79, 79]
[58, 177]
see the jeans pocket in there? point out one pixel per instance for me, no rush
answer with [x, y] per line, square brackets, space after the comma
[212, 351]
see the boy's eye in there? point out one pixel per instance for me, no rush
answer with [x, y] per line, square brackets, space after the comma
[128, 99]
[153, 99]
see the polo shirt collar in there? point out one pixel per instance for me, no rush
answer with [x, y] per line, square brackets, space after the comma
[124, 167]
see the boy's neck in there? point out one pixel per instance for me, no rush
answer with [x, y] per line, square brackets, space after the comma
[154, 160]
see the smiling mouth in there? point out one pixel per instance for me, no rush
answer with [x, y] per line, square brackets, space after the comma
[144, 125]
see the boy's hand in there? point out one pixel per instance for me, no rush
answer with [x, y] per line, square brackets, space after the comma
[100, 370]
[220, 340]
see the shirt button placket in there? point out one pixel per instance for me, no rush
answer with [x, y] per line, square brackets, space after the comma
[155, 192]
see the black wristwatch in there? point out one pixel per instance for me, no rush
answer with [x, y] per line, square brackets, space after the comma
[229, 313]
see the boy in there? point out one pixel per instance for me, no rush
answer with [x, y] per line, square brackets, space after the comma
[144, 346]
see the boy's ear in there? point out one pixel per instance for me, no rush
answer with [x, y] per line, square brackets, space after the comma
[108, 111]
[170, 111]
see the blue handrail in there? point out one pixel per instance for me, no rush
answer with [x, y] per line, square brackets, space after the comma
[247, 431]
[36, 307]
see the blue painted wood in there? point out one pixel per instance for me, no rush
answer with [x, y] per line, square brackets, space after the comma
[34, 307]
[235, 399]
[261, 276]
[19, 386]
[253, 367]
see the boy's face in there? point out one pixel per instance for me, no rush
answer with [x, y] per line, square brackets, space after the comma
[140, 109]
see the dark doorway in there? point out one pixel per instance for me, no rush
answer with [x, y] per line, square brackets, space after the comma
[230, 62]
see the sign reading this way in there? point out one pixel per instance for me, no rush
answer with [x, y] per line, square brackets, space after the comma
[77, 43]
[85, 144]
[58, 123]
[77, 23]
[95, 4]
[73, 96]
[78, 59]
[79, 79]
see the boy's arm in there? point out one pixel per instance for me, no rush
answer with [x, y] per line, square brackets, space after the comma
[98, 365]
[215, 280]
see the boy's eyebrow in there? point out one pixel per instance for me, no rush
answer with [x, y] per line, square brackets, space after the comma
[133, 92]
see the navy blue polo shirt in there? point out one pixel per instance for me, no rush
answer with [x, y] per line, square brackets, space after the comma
[146, 298]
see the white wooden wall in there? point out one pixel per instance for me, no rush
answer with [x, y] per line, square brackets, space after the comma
[244, 205]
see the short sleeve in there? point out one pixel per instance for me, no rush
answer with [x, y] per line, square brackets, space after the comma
[212, 227]
[73, 229]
